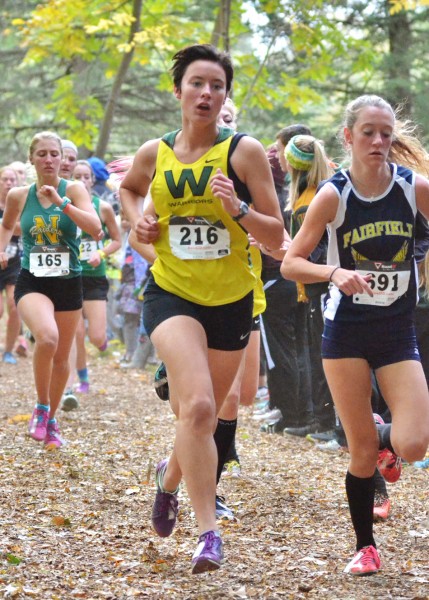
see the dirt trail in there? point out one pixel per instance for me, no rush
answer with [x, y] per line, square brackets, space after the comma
[76, 523]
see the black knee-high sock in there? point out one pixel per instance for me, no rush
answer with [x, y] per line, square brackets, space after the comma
[232, 451]
[360, 494]
[380, 483]
[223, 436]
[384, 437]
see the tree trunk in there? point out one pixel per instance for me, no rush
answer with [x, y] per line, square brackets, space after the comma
[220, 37]
[106, 125]
[399, 75]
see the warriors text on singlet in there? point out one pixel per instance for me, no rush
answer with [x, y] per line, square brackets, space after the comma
[202, 254]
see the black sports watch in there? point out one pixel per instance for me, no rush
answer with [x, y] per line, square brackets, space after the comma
[244, 209]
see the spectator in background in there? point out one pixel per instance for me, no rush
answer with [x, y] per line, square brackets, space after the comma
[101, 187]
[130, 300]
[308, 166]
[283, 324]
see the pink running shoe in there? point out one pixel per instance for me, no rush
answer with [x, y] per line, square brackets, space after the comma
[389, 465]
[381, 507]
[53, 438]
[22, 347]
[38, 424]
[365, 562]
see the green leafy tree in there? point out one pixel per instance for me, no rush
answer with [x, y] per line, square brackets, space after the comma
[97, 70]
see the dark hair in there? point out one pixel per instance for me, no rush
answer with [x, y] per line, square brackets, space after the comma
[287, 133]
[188, 55]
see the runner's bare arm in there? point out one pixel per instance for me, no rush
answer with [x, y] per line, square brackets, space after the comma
[251, 165]
[296, 265]
[15, 201]
[146, 250]
[136, 183]
[109, 220]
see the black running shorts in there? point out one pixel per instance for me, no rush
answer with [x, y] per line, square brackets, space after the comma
[95, 288]
[65, 294]
[227, 326]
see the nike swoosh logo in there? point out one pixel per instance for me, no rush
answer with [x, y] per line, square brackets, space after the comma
[210, 160]
[244, 336]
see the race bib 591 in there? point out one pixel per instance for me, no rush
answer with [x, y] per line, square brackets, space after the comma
[389, 281]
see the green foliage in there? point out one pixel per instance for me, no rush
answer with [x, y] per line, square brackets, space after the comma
[80, 115]
[84, 37]
[294, 60]
[399, 5]
[13, 560]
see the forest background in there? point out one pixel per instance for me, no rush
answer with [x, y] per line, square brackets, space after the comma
[97, 71]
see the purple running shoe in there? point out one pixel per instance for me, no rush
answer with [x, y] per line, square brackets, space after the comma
[209, 553]
[166, 505]
[83, 387]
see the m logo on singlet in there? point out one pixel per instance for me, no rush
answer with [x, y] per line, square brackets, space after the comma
[177, 190]
[42, 230]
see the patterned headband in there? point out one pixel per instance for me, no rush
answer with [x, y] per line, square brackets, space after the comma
[297, 158]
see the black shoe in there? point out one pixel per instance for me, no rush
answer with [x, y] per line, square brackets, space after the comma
[323, 436]
[300, 431]
[272, 427]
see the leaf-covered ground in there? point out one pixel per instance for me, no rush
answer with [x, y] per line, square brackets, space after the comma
[75, 523]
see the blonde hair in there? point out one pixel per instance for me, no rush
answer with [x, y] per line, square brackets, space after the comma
[44, 135]
[406, 148]
[319, 170]
[231, 109]
[229, 104]
[9, 168]
[85, 163]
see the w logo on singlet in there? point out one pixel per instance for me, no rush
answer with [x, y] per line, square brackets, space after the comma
[42, 231]
[177, 190]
